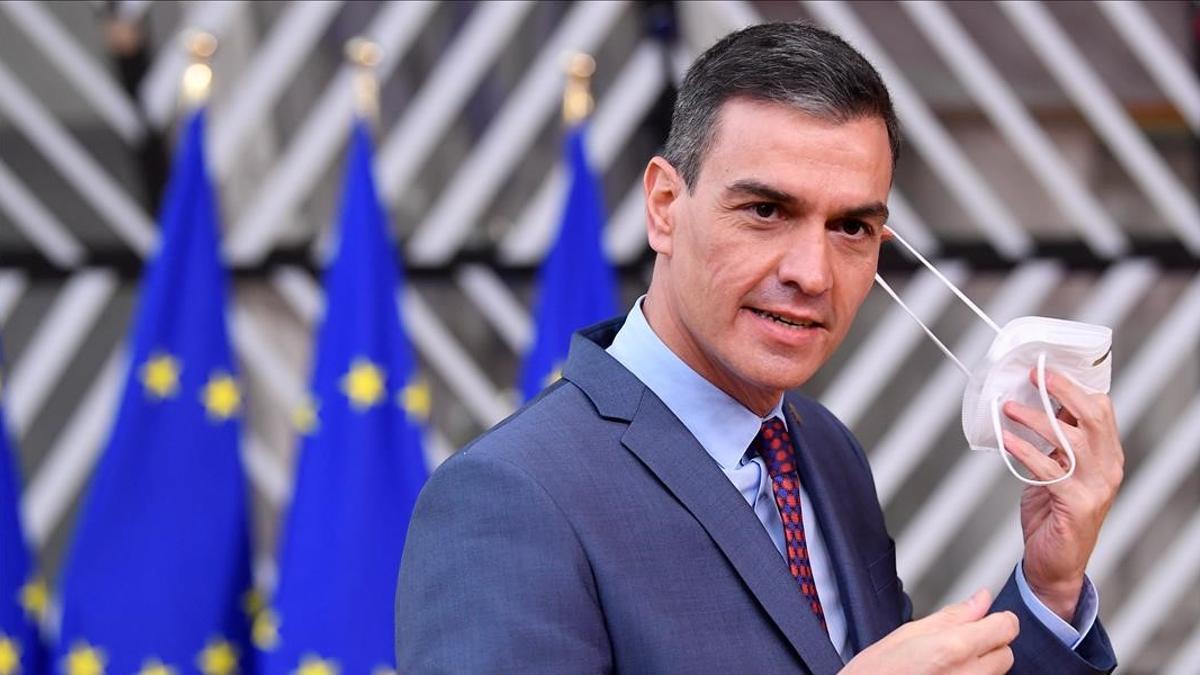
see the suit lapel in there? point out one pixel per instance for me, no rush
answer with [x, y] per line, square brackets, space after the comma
[823, 472]
[665, 446]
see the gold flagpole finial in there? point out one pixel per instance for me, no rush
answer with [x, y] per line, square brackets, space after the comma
[197, 78]
[365, 55]
[577, 96]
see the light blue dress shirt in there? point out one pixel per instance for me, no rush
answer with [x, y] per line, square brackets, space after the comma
[725, 428]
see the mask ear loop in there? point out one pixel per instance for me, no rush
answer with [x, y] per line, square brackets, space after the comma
[947, 283]
[941, 277]
[945, 350]
[1064, 443]
[913, 315]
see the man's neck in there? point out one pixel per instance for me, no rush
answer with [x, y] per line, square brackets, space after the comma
[676, 338]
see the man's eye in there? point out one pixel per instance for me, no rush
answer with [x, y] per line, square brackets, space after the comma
[766, 211]
[855, 228]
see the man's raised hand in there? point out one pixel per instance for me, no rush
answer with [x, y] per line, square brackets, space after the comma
[1061, 522]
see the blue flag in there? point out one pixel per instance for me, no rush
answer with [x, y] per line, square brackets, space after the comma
[577, 287]
[22, 595]
[361, 463]
[158, 574]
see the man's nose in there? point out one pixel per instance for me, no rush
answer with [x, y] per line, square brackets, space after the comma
[807, 263]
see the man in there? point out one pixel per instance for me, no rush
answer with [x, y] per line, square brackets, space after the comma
[668, 506]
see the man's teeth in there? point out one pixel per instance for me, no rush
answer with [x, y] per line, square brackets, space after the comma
[779, 319]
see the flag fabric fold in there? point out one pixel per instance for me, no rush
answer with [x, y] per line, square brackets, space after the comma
[361, 462]
[157, 579]
[22, 594]
[576, 283]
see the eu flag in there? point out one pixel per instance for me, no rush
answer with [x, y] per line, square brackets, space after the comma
[158, 572]
[577, 287]
[22, 595]
[361, 462]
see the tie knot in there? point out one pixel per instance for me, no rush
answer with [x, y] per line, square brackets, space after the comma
[773, 426]
[774, 445]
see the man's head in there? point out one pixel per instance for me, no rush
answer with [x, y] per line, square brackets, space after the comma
[792, 64]
[767, 210]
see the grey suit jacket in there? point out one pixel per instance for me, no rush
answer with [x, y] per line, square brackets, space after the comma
[590, 532]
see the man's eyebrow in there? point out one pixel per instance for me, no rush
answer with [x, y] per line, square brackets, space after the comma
[759, 189]
[764, 191]
[873, 210]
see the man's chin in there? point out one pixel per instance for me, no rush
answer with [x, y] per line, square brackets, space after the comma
[790, 368]
[781, 378]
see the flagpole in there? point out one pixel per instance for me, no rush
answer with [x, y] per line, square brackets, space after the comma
[364, 55]
[577, 95]
[198, 76]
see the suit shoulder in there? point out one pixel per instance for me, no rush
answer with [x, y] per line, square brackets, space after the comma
[537, 434]
[499, 467]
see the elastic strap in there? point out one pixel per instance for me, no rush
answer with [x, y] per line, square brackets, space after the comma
[1065, 444]
[945, 350]
[953, 289]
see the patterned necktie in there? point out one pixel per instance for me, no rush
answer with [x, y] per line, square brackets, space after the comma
[774, 445]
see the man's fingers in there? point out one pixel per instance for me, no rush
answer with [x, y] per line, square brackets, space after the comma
[1093, 411]
[995, 662]
[1041, 466]
[1066, 416]
[1061, 457]
[990, 633]
[960, 638]
[971, 609]
[963, 645]
[1036, 420]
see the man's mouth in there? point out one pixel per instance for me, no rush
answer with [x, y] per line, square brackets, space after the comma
[793, 322]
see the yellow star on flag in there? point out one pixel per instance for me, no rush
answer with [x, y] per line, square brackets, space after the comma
[84, 659]
[416, 400]
[10, 656]
[34, 598]
[218, 658]
[265, 631]
[160, 375]
[315, 665]
[304, 417]
[155, 667]
[222, 397]
[363, 384]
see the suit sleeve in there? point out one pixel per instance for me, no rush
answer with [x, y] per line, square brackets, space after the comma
[494, 579]
[1038, 650]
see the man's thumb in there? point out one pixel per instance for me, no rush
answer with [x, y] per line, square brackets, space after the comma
[971, 609]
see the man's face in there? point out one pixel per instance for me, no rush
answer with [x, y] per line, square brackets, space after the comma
[763, 265]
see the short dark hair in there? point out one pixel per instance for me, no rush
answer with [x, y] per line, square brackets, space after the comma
[795, 64]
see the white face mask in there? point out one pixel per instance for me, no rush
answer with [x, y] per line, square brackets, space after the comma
[1080, 351]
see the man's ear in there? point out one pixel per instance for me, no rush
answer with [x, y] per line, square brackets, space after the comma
[663, 186]
[887, 234]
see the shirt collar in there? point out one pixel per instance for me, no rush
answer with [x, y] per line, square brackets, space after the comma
[722, 425]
